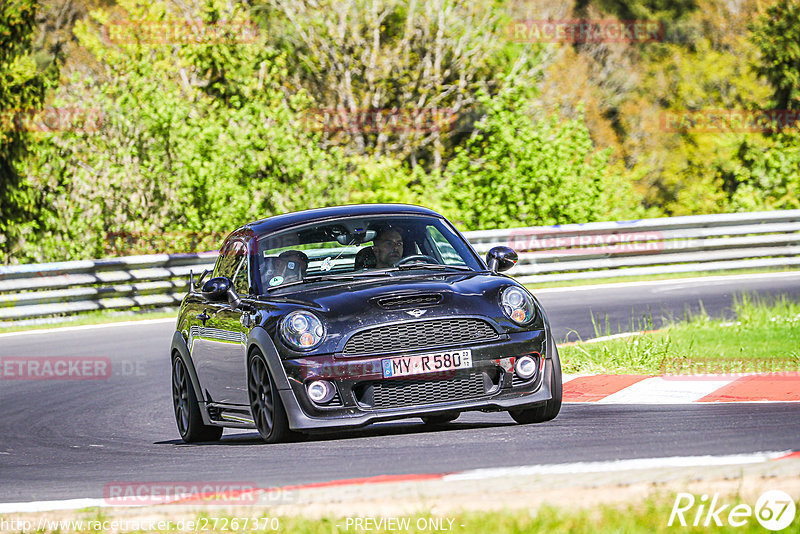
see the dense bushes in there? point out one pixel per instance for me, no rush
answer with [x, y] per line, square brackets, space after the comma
[185, 135]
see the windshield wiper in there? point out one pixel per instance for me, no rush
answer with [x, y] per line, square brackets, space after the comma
[329, 277]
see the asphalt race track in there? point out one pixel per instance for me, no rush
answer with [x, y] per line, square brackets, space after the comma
[69, 439]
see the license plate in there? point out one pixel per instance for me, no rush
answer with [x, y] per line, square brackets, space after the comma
[427, 363]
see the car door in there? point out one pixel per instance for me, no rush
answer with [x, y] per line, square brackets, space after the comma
[218, 349]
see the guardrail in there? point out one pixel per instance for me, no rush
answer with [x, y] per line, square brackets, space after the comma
[547, 253]
[698, 243]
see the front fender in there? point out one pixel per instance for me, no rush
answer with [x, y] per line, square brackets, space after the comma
[259, 338]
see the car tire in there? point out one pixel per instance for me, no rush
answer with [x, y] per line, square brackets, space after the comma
[266, 406]
[440, 419]
[187, 410]
[549, 410]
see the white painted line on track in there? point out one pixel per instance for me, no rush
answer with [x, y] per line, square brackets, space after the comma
[658, 390]
[618, 465]
[472, 474]
[673, 281]
[49, 506]
[90, 327]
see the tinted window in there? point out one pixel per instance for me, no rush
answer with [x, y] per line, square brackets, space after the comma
[347, 245]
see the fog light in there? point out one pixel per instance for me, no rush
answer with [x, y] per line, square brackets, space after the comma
[525, 367]
[320, 391]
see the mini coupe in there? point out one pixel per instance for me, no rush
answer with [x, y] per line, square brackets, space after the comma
[340, 317]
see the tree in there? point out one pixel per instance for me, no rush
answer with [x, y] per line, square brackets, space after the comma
[763, 173]
[517, 171]
[396, 78]
[22, 91]
[196, 136]
[777, 36]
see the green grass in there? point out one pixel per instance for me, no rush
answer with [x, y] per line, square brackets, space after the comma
[764, 337]
[97, 317]
[647, 278]
[650, 515]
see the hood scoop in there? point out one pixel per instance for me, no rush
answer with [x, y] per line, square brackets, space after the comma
[400, 302]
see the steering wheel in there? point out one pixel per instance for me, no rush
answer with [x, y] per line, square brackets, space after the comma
[421, 258]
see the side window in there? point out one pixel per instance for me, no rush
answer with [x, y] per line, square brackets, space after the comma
[446, 250]
[233, 263]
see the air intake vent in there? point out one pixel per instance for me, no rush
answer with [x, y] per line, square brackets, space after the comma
[400, 393]
[409, 301]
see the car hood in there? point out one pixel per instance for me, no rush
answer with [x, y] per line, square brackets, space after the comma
[348, 307]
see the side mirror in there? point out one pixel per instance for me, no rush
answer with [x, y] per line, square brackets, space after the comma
[501, 259]
[217, 289]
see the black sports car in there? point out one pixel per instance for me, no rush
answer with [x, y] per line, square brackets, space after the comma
[340, 317]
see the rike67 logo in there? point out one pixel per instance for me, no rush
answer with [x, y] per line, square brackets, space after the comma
[774, 510]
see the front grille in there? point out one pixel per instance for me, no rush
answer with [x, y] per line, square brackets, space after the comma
[409, 301]
[419, 335]
[401, 393]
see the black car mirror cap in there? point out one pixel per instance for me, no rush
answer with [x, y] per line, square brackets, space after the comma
[217, 289]
[500, 259]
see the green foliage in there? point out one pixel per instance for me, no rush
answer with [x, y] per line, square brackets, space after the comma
[763, 171]
[195, 136]
[763, 174]
[202, 132]
[777, 35]
[519, 171]
[22, 89]
[380, 61]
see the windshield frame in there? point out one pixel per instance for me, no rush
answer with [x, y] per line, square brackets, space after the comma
[465, 251]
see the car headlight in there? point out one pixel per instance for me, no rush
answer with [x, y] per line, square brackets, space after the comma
[517, 305]
[302, 330]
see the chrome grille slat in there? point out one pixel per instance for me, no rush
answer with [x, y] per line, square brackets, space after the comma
[419, 335]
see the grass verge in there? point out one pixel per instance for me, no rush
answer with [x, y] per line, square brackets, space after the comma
[764, 337]
[651, 515]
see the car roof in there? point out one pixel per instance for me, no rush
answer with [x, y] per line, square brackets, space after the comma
[287, 220]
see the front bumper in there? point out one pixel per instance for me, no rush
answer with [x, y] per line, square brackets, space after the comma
[359, 382]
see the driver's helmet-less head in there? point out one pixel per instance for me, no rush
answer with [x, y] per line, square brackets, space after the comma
[295, 264]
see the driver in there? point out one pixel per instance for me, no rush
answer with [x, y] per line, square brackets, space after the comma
[388, 247]
[296, 265]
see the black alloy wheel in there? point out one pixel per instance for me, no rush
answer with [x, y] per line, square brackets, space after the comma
[187, 411]
[265, 402]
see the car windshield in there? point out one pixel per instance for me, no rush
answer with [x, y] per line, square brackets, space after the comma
[361, 247]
